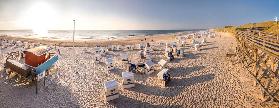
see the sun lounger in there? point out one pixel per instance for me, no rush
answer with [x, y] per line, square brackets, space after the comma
[111, 90]
[128, 80]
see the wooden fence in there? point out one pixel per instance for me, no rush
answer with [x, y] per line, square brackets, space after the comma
[258, 52]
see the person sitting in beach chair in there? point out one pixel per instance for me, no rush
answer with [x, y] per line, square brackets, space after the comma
[164, 77]
[170, 56]
[132, 67]
[141, 68]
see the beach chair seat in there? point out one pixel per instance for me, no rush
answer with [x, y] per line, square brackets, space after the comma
[141, 68]
[110, 47]
[128, 80]
[18, 67]
[149, 66]
[98, 58]
[132, 67]
[109, 63]
[118, 48]
[129, 47]
[164, 77]
[124, 57]
[111, 90]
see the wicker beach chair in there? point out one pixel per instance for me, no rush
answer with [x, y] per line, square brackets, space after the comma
[149, 66]
[128, 80]
[164, 77]
[111, 90]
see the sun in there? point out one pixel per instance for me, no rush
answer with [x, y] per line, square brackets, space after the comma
[39, 17]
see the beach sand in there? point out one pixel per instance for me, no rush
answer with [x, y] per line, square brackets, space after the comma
[92, 42]
[204, 78]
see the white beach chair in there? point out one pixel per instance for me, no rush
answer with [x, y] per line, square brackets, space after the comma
[109, 63]
[162, 63]
[197, 46]
[161, 73]
[97, 50]
[128, 80]
[118, 47]
[203, 41]
[141, 54]
[147, 51]
[149, 66]
[164, 77]
[110, 48]
[111, 90]
[98, 58]
[124, 57]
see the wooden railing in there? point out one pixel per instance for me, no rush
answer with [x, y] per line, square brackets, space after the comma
[259, 55]
[269, 44]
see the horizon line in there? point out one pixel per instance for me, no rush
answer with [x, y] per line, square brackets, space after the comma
[104, 29]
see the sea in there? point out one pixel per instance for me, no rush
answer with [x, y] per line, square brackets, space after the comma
[91, 34]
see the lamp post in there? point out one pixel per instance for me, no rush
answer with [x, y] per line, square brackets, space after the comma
[74, 32]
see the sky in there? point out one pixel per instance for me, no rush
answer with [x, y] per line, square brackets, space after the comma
[133, 14]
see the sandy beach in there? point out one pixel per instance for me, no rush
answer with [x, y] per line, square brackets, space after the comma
[204, 78]
[93, 42]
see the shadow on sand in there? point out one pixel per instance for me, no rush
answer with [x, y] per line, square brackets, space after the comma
[174, 87]
[208, 48]
[126, 102]
[177, 84]
[52, 94]
[192, 55]
[183, 72]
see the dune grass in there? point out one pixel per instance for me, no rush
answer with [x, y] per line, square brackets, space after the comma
[268, 26]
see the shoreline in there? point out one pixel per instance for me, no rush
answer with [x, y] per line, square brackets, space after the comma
[93, 42]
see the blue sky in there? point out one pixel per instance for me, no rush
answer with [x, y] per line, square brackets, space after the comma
[134, 14]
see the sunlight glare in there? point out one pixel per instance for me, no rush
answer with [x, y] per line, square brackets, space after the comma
[40, 17]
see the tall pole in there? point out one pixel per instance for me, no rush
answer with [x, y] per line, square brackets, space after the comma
[276, 19]
[74, 32]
